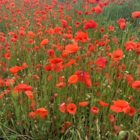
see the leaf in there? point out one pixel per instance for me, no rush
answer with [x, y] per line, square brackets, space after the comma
[13, 137]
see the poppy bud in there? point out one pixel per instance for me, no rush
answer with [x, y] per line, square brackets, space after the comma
[122, 134]
[55, 95]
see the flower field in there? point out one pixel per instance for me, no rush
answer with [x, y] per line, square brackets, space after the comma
[69, 70]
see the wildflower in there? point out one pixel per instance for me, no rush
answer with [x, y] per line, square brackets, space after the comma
[71, 48]
[101, 62]
[61, 85]
[42, 112]
[63, 108]
[102, 30]
[15, 69]
[73, 79]
[136, 85]
[51, 53]
[44, 42]
[117, 55]
[8, 56]
[32, 115]
[84, 77]
[132, 111]
[90, 25]
[111, 28]
[94, 110]
[136, 14]
[56, 60]
[120, 106]
[71, 108]
[83, 104]
[111, 118]
[56, 67]
[29, 94]
[9, 82]
[103, 104]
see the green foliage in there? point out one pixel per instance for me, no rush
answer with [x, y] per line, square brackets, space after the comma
[115, 12]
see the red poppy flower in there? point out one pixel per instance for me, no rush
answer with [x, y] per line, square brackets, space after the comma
[32, 115]
[90, 25]
[12, 5]
[71, 108]
[79, 13]
[106, 3]
[132, 111]
[136, 14]
[81, 36]
[31, 34]
[56, 60]
[51, 53]
[29, 94]
[24, 87]
[35, 76]
[97, 1]
[117, 55]
[92, 9]
[64, 22]
[83, 104]
[111, 28]
[102, 30]
[47, 67]
[119, 76]
[123, 25]
[77, 24]
[122, 67]
[8, 56]
[88, 83]
[61, 85]
[98, 10]
[94, 110]
[91, 1]
[9, 82]
[120, 106]
[73, 79]
[24, 66]
[103, 104]
[56, 67]
[15, 69]
[136, 85]
[101, 62]
[74, 1]
[2, 83]
[111, 118]
[31, 41]
[131, 99]
[1, 96]
[96, 84]
[44, 42]
[84, 77]
[42, 112]
[71, 48]
[121, 20]
[63, 108]
[49, 77]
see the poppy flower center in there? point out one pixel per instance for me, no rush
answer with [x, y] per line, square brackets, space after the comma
[82, 73]
[72, 109]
